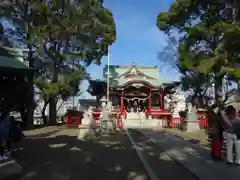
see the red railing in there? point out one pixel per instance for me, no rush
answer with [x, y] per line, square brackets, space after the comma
[176, 122]
[162, 123]
[73, 119]
[96, 114]
[203, 122]
[119, 121]
[114, 115]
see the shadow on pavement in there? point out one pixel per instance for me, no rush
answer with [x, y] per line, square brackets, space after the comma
[162, 164]
[55, 156]
[189, 156]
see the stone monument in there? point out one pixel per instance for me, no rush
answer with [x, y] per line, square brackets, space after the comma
[192, 123]
[106, 124]
[87, 130]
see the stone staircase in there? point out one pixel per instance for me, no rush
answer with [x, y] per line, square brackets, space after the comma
[133, 120]
[138, 120]
[134, 116]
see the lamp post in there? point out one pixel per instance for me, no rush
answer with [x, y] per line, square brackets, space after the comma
[108, 70]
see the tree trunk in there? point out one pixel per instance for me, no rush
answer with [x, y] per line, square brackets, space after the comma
[30, 110]
[52, 112]
[238, 88]
[30, 101]
[218, 91]
[201, 103]
[30, 104]
[24, 117]
[43, 112]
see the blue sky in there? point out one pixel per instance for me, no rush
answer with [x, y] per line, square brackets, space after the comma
[138, 38]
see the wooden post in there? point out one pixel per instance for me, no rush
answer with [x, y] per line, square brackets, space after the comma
[149, 101]
[163, 102]
[121, 103]
[162, 99]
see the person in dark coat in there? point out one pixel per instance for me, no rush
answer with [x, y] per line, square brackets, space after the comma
[232, 124]
[215, 132]
[5, 124]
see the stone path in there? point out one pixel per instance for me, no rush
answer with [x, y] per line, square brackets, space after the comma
[192, 157]
[9, 168]
[55, 154]
[159, 164]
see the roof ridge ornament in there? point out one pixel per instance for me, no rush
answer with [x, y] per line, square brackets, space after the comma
[133, 64]
[133, 71]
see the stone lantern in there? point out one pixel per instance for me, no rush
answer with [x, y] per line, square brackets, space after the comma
[103, 102]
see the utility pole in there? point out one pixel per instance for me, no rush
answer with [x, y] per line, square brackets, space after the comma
[108, 71]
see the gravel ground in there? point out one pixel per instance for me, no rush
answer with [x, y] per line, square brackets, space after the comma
[55, 154]
[164, 167]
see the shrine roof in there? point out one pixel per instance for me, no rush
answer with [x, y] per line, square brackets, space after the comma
[11, 62]
[120, 75]
[117, 71]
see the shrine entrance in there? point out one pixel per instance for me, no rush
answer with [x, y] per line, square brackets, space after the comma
[135, 98]
[136, 105]
[135, 92]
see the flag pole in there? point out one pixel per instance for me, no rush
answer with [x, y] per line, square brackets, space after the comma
[108, 71]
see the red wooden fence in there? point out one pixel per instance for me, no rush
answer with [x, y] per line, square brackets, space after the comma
[114, 115]
[177, 122]
[73, 120]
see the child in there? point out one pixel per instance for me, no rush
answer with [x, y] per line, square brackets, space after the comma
[5, 124]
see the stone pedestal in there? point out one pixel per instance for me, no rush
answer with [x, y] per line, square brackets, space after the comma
[107, 124]
[9, 168]
[86, 118]
[142, 115]
[192, 126]
[86, 132]
[149, 123]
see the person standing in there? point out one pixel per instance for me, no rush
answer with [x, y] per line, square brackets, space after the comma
[5, 124]
[215, 131]
[232, 123]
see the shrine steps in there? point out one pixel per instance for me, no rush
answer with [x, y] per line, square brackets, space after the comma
[134, 116]
[129, 123]
[140, 123]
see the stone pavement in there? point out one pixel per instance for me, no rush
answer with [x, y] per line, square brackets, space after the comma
[193, 157]
[9, 169]
[159, 165]
[55, 153]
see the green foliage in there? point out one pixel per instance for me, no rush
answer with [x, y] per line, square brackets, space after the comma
[68, 85]
[201, 38]
[210, 36]
[67, 35]
[81, 32]
[3, 51]
[87, 27]
[192, 80]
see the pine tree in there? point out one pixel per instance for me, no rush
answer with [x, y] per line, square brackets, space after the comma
[209, 35]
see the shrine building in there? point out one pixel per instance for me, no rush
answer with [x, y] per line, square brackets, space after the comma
[134, 90]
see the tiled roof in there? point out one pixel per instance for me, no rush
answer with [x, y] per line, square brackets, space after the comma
[148, 74]
[11, 62]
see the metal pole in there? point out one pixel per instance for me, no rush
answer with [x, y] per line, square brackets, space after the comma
[108, 71]
[223, 87]
[213, 89]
